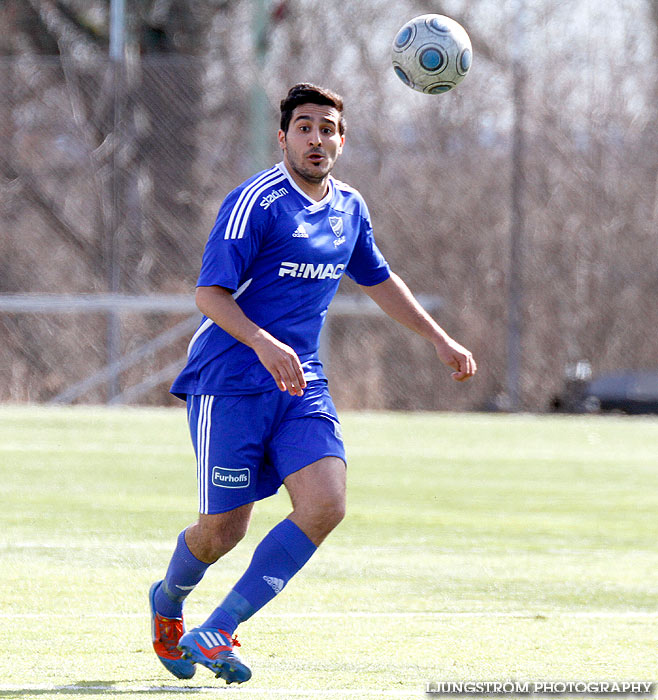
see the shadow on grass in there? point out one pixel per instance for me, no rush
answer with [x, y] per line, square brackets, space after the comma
[91, 688]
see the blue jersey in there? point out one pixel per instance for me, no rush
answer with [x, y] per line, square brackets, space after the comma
[282, 255]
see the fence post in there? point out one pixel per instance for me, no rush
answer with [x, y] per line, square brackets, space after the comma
[517, 219]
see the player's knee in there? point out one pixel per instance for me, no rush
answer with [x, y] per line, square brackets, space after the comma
[223, 541]
[336, 513]
[215, 539]
[215, 548]
[326, 514]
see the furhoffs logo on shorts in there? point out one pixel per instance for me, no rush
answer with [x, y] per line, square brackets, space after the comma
[230, 478]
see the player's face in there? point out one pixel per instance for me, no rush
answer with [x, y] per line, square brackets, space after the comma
[312, 143]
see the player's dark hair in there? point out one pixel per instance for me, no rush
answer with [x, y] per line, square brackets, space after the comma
[303, 93]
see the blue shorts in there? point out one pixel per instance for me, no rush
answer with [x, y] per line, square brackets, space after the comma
[247, 445]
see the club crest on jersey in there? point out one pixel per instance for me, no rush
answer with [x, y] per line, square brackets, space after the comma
[336, 224]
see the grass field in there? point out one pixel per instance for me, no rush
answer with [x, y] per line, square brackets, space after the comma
[476, 547]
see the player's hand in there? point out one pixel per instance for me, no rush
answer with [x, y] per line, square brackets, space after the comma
[281, 361]
[457, 357]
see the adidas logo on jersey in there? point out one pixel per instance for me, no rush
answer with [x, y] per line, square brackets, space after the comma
[276, 584]
[272, 196]
[321, 271]
[300, 232]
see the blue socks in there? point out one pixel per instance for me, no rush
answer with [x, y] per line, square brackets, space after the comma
[281, 554]
[183, 574]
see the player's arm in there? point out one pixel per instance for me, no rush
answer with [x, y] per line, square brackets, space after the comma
[279, 359]
[395, 299]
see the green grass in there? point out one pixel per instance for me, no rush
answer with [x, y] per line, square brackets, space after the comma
[475, 548]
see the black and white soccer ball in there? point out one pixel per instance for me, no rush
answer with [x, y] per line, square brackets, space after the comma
[432, 54]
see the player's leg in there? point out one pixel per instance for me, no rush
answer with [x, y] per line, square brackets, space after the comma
[213, 536]
[317, 491]
[199, 546]
[305, 437]
[230, 434]
[308, 452]
[216, 534]
[278, 557]
[318, 495]
[222, 524]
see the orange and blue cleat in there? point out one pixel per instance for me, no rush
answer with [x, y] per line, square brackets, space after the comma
[166, 633]
[213, 648]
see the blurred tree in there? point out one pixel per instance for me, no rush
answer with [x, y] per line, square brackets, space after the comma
[131, 121]
[149, 158]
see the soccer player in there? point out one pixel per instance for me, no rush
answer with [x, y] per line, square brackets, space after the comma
[259, 411]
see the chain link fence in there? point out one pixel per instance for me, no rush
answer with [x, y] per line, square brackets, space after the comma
[111, 175]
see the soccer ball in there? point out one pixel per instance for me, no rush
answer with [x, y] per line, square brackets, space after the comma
[432, 54]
